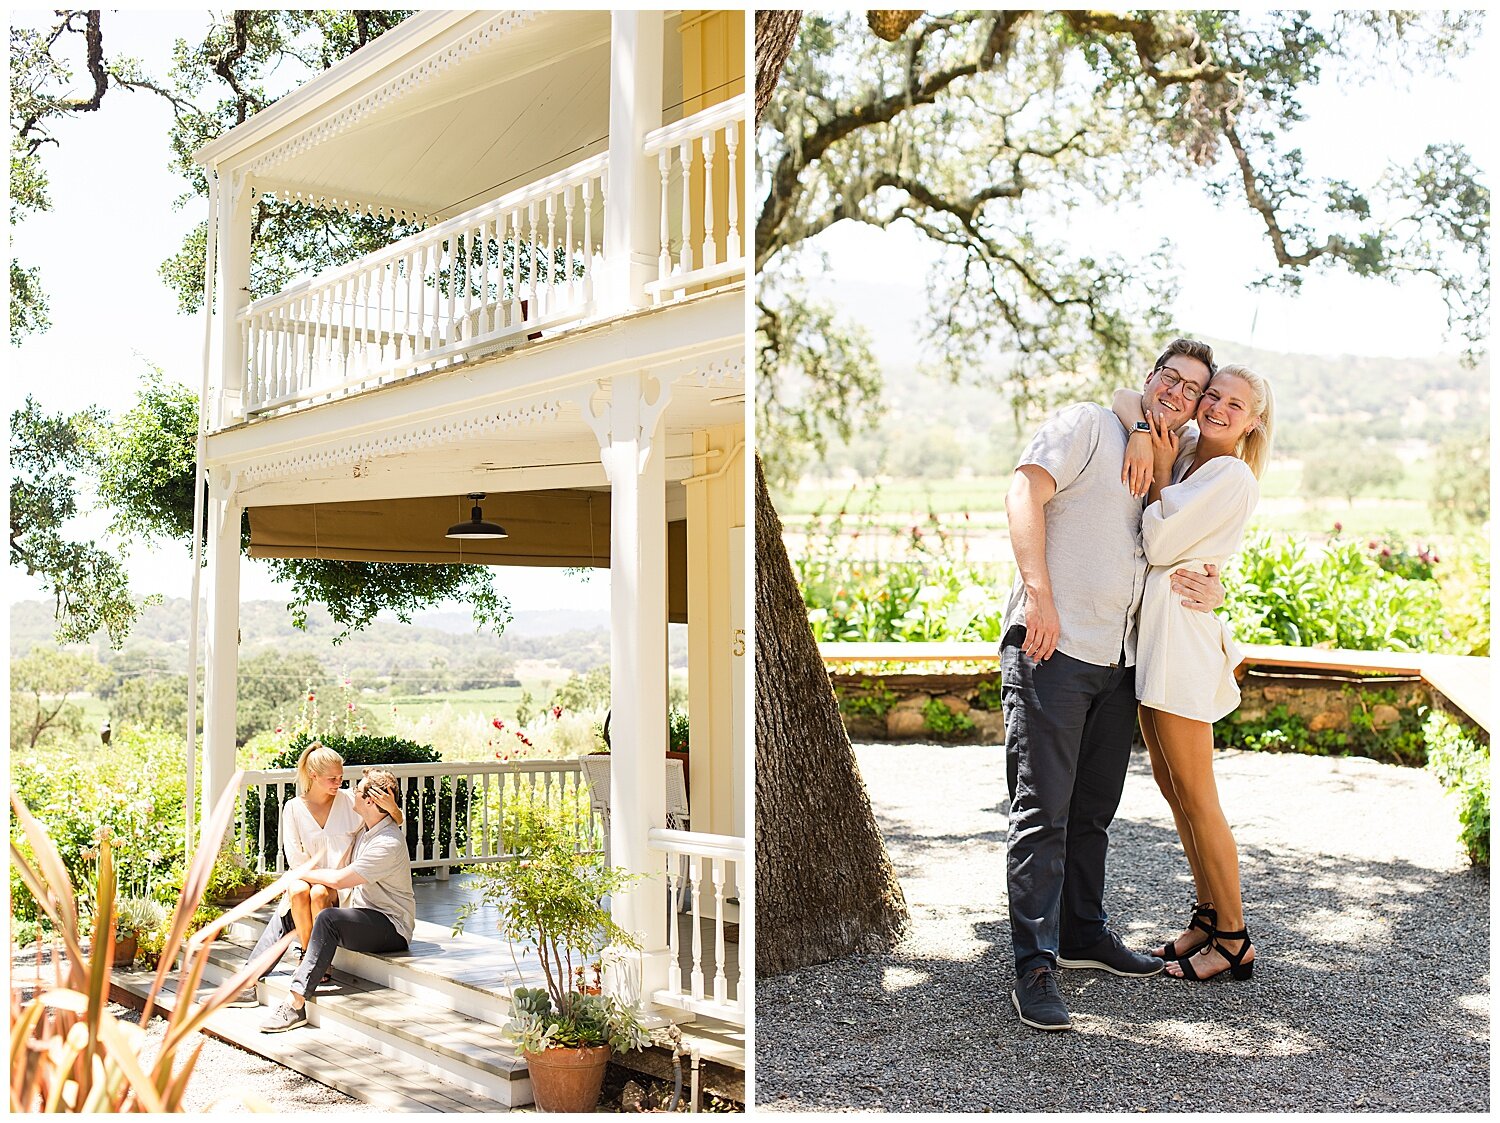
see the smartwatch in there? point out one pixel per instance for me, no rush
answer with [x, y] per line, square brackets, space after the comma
[1142, 427]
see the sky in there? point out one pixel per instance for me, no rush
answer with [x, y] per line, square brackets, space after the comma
[1352, 132]
[112, 224]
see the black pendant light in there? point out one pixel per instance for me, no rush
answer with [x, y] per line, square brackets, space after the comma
[476, 527]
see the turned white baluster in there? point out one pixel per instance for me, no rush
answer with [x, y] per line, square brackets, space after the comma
[721, 981]
[731, 144]
[468, 280]
[685, 260]
[247, 348]
[588, 239]
[487, 309]
[567, 243]
[549, 295]
[449, 335]
[664, 261]
[695, 871]
[531, 305]
[710, 243]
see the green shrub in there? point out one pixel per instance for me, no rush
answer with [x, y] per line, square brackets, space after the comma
[1281, 730]
[429, 808]
[1280, 592]
[1461, 762]
[990, 695]
[875, 699]
[943, 721]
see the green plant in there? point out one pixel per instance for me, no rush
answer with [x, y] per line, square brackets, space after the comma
[944, 721]
[875, 699]
[990, 694]
[549, 900]
[231, 875]
[1461, 762]
[68, 1051]
[1279, 729]
[139, 914]
[677, 731]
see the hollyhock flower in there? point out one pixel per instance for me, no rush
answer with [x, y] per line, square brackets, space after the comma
[1337, 527]
[556, 712]
[498, 724]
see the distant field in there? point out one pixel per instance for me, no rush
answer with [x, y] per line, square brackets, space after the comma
[499, 700]
[977, 504]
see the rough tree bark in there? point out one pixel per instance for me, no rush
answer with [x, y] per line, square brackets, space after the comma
[824, 887]
[775, 35]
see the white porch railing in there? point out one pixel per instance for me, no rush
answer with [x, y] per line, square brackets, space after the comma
[455, 813]
[698, 245]
[711, 868]
[509, 267]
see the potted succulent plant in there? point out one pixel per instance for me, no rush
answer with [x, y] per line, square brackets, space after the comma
[549, 899]
[134, 916]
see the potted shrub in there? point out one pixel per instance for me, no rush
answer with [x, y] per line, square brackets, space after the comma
[134, 916]
[549, 898]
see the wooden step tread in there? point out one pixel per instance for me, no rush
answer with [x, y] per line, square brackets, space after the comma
[323, 1056]
[445, 1031]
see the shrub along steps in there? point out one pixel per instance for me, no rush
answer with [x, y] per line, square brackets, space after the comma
[317, 1051]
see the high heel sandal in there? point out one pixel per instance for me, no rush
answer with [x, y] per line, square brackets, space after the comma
[1238, 968]
[1204, 919]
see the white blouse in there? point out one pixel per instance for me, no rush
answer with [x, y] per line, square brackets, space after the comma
[330, 844]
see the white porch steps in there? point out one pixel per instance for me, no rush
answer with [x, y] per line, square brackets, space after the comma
[329, 1057]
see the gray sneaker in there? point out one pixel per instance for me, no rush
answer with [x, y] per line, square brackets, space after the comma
[1110, 954]
[246, 998]
[1039, 1002]
[286, 1017]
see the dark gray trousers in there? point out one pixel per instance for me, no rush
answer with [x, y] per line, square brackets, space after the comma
[355, 929]
[1068, 727]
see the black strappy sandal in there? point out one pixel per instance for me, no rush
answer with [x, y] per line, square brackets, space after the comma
[1204, 919]
[1238, 969]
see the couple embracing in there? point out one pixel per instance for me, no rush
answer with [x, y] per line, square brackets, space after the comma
[1119, 522]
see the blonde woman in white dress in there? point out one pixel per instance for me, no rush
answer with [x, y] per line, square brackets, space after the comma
[1198, 509]
[321, 824]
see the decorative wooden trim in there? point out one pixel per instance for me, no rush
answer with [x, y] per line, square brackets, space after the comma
[393, 89]
[728, 371]
[361, 450]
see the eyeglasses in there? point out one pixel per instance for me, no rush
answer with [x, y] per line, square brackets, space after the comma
[1170, 380]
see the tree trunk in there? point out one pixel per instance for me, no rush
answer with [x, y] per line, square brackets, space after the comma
[775, 35]
[824, 887]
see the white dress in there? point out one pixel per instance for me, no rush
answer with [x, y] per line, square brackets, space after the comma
[1185, 660]
[330, 844]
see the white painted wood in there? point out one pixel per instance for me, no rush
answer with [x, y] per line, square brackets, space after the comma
[715, 862]
[631, 247]
[221, 655]
[638, 660]
[235, 209]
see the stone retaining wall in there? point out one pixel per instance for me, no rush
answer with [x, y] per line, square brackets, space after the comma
[1372, 715]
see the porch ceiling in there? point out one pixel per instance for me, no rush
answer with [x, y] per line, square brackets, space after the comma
[447, 114]
[562, 527]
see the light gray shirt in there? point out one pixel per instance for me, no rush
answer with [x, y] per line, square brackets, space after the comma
[380, 857]
[1094, 553]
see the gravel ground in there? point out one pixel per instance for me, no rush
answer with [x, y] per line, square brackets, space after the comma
[1371, 990]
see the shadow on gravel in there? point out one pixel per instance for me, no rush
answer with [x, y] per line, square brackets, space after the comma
[1371, 993]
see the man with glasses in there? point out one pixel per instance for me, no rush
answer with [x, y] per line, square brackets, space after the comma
[1068, 669]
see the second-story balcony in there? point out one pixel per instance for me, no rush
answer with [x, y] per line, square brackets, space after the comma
[436, 115]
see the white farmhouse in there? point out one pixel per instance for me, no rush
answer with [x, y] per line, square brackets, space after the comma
[565, 335]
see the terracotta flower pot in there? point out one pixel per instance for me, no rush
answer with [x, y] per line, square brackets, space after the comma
[568, 1079]
[125, 948]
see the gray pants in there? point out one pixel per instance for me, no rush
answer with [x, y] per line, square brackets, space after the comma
[356, 929]
[1068, 727]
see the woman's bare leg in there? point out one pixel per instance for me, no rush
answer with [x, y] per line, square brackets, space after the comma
[300, 893]
[1188, 748]
[1161, 769]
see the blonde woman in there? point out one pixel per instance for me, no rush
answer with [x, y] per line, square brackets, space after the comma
[1198, 508]
[321, 824]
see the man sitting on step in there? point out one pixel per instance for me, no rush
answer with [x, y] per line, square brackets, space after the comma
[379, 910]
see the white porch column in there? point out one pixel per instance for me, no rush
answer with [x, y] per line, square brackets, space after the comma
[221, 657]
[632, 238]
[235, 212]
[636, 464]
